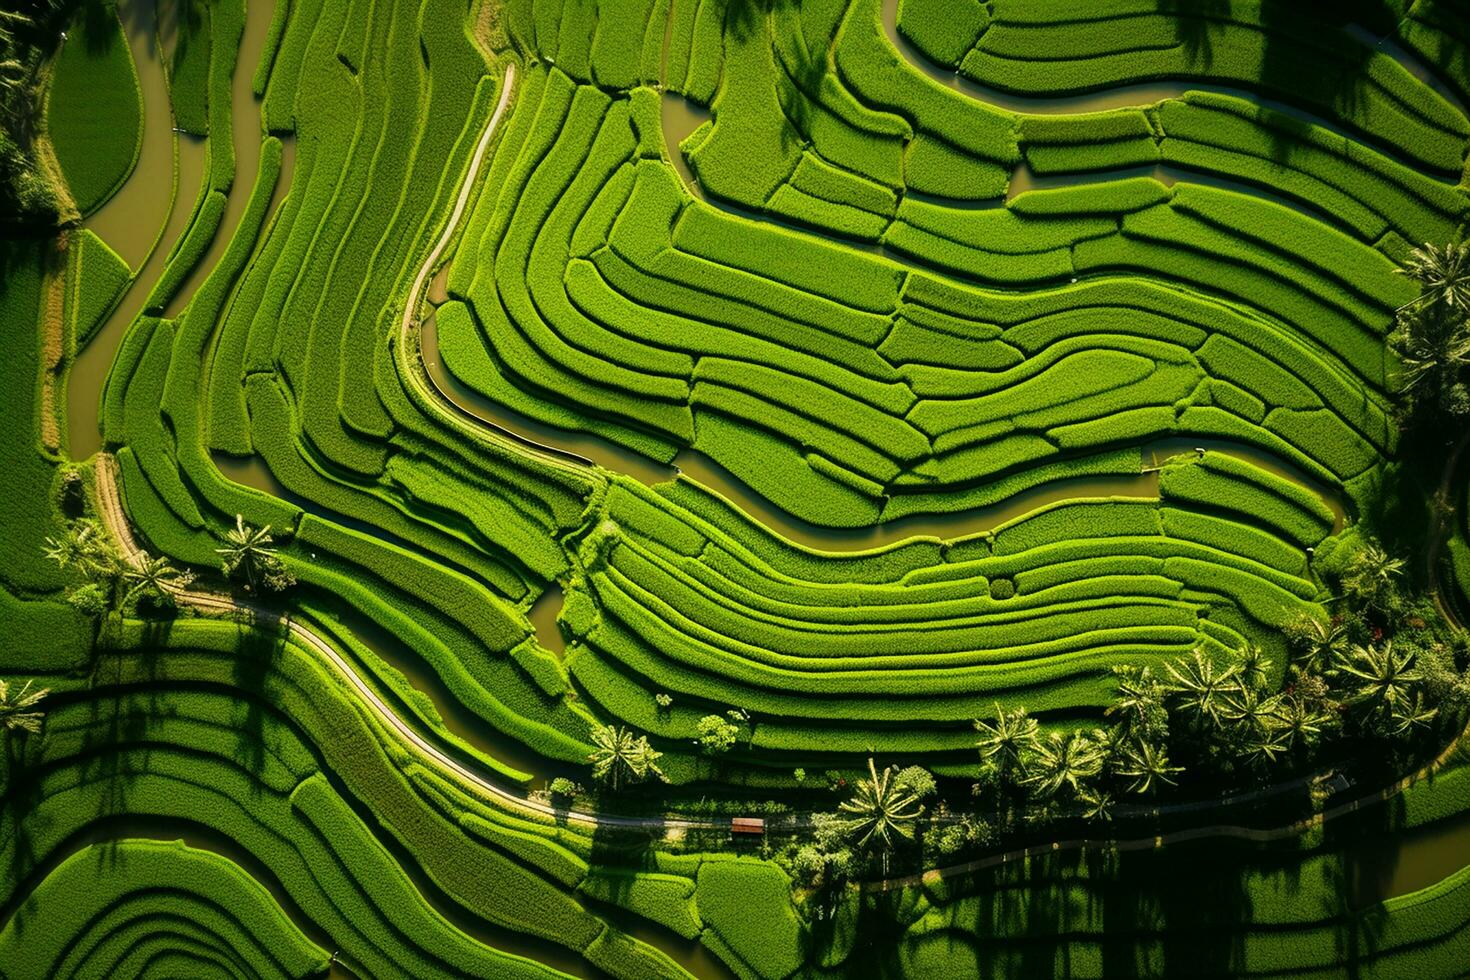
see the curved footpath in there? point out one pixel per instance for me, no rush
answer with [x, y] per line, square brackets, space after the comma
[110, 507]
[411, 366]
[412, 369]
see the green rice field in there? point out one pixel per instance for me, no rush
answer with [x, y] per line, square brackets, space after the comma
[736, 489]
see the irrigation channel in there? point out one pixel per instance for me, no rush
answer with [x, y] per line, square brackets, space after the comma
[145, 214]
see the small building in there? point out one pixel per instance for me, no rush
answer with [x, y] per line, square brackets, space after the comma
[748, 826]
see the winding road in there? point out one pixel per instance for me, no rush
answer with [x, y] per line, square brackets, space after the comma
[111, 510]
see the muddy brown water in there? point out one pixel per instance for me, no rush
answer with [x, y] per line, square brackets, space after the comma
[1398, 863]
[245, 136]
[543, 613]
[680, 118]
[141, 221]
[131, 219]
[140, 215]
[150, 209]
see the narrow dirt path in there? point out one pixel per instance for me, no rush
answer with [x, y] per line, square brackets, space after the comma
[410, 363]
[111, 510]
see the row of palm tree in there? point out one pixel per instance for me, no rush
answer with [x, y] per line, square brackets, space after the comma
[110, 583]
[1220, 712]
[1432, 336]
[1210, 711]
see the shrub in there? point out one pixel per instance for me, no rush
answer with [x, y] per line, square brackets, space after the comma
[716, 734]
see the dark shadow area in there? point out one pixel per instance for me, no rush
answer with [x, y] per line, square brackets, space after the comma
[744, 18]
[1364, 855]
[616, 855]
[182, 25]
[1342, 79]
[1451, 61]
[1195, 24]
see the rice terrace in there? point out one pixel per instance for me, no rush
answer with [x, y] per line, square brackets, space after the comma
[746, 489]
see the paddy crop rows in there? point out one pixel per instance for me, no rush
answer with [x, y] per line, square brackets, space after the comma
[883, 299]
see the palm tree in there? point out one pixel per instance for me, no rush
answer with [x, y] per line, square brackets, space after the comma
[1147, 765]
[1297, 723]
[1412, 716]
[249, 548]
[1139, 703]
[1443, 275]
[1199, 686]
[86, 550]
[1005, 743]
[1062, 764]
[113, 583]
[1254, 666]
[1321, 642]
[881, 807]
[1261, 748]
[1432, 350]
[1250, 711]
[1097, 804]
[1372, 575]
[17, 708]
[154, 579]
[621, 757]
[1382, 679]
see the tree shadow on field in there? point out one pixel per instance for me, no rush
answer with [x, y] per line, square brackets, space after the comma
[1037, 917]
[1175, 912]
[806, 78]
[259, 648]
[184, 23]
[743, 18]
[1358, 877]
[95, 19]
[619, 853]
[1294, 63]
[1450, 19]
[1196, 22]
